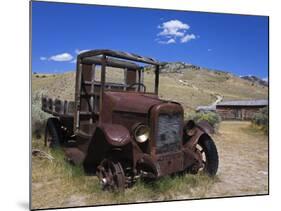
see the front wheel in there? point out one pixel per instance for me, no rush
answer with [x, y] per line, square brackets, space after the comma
[209, 154]
[111, 175]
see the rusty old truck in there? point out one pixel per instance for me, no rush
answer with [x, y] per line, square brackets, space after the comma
[121, 131]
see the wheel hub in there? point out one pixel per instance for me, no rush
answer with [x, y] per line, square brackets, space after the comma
[111, 175]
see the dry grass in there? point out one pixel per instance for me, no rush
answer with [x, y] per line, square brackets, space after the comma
[55, 85]
[58, 184]
[225, 84]
[242, 171]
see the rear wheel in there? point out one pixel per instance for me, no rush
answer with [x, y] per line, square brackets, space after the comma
[53, 134]
[210, 158]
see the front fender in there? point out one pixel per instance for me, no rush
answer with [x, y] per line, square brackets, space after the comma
[116, 135]
[193, 132]
[107, 137]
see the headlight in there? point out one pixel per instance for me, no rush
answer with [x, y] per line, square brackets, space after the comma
[141, 133]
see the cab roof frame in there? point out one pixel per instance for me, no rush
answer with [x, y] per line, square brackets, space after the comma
[92, 56]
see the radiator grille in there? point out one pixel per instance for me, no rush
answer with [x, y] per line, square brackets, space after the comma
[168, 133]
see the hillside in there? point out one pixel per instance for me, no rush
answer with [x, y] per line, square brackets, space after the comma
[188, 84]
[255, 80]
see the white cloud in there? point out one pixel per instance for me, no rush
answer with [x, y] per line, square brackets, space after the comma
[187, 38]
[173, 28]
[170, 41]
[173, 31]
[77, 51]
[64, 57]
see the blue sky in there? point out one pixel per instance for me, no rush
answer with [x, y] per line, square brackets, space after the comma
[233, 43]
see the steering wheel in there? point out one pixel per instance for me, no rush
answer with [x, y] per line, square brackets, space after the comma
[139, 84]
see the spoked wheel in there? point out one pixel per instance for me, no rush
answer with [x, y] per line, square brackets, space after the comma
[210, 160]
[53, 136]
[111, 175]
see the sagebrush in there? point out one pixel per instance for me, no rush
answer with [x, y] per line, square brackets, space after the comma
[38, 117]
[261, 119]
[211, 117]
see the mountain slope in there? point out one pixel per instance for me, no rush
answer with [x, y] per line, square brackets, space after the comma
[190, 85]
[255, 80]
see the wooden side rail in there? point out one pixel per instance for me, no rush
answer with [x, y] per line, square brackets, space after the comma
[57, 107]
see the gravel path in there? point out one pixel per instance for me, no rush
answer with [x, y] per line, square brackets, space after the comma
[243, 168]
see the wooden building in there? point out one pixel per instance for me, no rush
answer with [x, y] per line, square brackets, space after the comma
[240, 109]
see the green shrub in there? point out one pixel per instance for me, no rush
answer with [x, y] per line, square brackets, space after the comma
[38, 117]
[261, 119]
[211, 117]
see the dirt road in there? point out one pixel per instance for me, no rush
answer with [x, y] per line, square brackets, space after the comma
[243, 168]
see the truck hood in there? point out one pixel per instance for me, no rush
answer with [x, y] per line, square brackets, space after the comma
[132, 101]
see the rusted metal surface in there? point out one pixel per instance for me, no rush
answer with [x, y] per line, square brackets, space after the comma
[119, 54]
[110, 62]
[111, 175]
[100, 132]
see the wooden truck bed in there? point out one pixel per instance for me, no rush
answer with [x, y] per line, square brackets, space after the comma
[58, 107]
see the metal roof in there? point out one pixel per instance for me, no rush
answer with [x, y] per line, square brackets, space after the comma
[258, 102]
[206, 108]
[118, 54]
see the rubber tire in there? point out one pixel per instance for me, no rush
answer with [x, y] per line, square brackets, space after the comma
[53, 127]
[212, 157]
